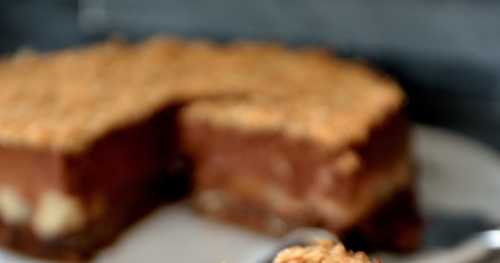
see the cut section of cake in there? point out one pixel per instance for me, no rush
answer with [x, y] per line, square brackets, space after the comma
[93, 138]
[325, 145]
[323, 251]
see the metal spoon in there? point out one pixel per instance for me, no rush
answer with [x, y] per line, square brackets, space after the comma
[480, 247]
[302, 236]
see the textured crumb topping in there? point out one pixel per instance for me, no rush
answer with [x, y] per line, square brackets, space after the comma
[322, 252]
[66, 100]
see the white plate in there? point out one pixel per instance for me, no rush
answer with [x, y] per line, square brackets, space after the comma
[457, 176]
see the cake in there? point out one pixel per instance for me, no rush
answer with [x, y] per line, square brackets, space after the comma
[317, 142]
[91, 139]
[324, 251]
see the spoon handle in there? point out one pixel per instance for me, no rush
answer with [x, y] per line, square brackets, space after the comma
[470, 252]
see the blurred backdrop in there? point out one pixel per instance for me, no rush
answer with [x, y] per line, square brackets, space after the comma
[446, 53]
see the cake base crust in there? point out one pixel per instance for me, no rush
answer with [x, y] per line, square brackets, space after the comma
[83, 245]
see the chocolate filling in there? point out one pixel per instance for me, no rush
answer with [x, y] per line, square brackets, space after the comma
[266, 180]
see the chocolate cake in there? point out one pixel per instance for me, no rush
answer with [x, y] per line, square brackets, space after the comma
[91, 139]
[323, 252]
[323, 144]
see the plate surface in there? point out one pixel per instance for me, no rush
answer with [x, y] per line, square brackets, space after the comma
[459, 189]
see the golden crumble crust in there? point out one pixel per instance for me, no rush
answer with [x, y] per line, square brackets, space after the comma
[322, 252]
[304, 94]
[66, 100]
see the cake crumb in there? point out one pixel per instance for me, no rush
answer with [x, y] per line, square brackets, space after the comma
[324, 251]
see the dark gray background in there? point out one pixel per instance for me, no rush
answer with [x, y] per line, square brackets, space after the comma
[446, 53]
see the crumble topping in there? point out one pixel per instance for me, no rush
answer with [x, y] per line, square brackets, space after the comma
[66, 100]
